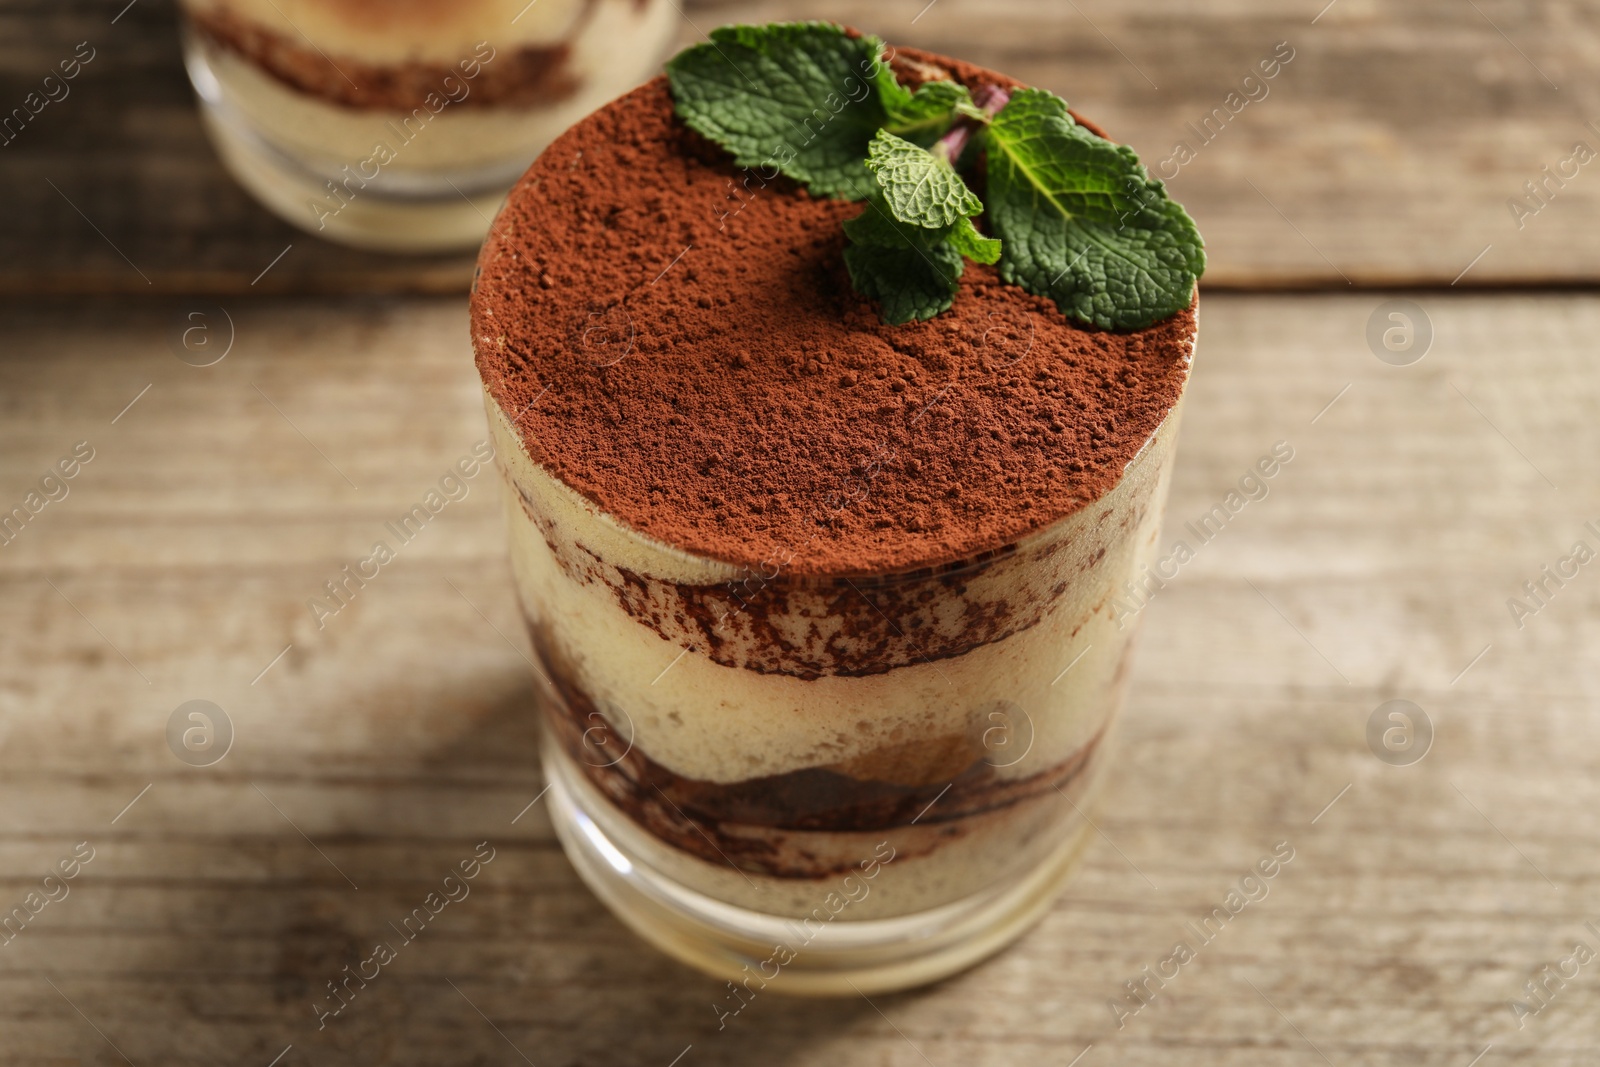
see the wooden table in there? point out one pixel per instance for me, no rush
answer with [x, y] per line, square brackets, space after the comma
[374, 753]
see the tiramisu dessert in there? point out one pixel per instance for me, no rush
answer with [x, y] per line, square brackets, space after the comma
[835, 392]
[399, 124]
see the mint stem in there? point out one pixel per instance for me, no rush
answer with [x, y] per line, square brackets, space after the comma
[991, 98]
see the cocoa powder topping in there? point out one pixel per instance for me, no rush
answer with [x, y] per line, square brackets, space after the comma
[677, 339]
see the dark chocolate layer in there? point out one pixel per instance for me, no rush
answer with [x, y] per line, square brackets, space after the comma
[760, 825]
[777, 622]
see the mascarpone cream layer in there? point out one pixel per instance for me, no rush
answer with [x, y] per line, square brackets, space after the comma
[1025, 701]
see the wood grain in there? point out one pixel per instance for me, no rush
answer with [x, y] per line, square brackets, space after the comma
[379, 750]
[1385, 153]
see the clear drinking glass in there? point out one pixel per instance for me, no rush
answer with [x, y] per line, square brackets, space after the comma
[819, 785]
[400, 126]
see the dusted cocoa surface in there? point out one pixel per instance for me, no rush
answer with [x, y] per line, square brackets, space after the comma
[694, 360]
[513, 77]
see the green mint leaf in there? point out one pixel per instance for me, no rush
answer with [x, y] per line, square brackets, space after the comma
[878, 227]
[799, 96]
[920, 189]
[1082, 222]
[911, 271]
[1074, 217]
[908, 283]
[965, 238]
[923, 117]
[906, 248]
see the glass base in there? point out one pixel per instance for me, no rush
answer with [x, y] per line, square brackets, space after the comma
[766, 953]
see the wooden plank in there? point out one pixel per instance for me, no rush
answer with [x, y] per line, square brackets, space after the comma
[377, 751]
[1384, 153]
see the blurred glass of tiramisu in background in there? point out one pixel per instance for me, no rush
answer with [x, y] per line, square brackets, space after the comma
[400, 124]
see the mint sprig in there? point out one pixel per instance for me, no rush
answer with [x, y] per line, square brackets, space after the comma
[1082, 222]
[919, 188]
[906, 248]
[801, 96]
[910, 275]
[1075, 217]
[924, 116]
